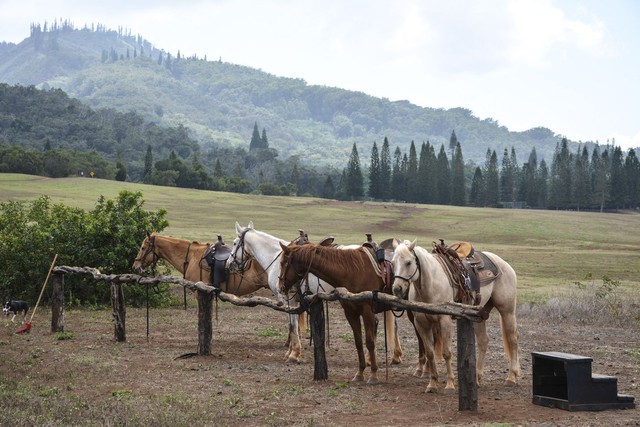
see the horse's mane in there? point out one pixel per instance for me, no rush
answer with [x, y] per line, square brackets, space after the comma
[178, 239]
[353, 259]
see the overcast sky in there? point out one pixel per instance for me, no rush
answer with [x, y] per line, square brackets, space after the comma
[572, 66]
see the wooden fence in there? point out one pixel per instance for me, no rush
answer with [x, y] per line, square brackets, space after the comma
[465, 315]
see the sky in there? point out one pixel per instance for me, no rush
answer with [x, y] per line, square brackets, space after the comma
[572, 66]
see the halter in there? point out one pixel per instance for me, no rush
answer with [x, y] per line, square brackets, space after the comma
[246, 255]
[286, 262]
[408, 279]
[150, 249]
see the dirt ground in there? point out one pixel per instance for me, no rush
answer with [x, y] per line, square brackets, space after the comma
[246, 382]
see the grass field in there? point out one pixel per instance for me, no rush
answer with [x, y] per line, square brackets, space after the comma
[549, 250]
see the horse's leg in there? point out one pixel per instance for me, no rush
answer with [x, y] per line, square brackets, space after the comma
[482, 340]
[391, 335]
[303, 323]
[295, 346]
[510, 339]
[369, 321]
[446, 328]
[423, 325]
[354, 321]
[420, 367]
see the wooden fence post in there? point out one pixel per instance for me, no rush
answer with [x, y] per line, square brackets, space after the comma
[467, 383]
[57, 303]
[316, 322]
[205, 328]
[119, 312]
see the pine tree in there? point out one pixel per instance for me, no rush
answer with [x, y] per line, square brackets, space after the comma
[397, 179]
[264, 142]
[458, 182]
[443, 178]
[530, 192]
[328, 190]
[374, 174]
[217, 171]
[453, 141]
[542, 189]
[412, 175]
[618, 180]
[601, 178]
[354, 186]
[385, 170]
[581, 181]
[491, 195]
[632, 174]
[256, 140]
[477, 185]
[561, 181]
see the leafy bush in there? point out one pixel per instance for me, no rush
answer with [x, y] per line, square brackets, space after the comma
[107, 238]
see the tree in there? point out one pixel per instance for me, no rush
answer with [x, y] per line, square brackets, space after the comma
[427, 172]
[256, 140]
[491, 195]
[354, 187]
[453, 141]
[618, 180]
[632, 174]
[443, 178]
[375, 192]
[477, 185]
[398, 181]
[601, 177]
[328, 190]
[412, 175]
[121, 171]
[458, 181]
[561, 181]
[385, 170]
[581, 180]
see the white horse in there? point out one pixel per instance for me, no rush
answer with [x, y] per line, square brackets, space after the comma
[419, 276]
[265, 249]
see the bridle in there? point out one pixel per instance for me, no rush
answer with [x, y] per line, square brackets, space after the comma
[408, 279]
[151, 249]
[285, 265]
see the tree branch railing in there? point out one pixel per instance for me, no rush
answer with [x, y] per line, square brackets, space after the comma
[466, 314]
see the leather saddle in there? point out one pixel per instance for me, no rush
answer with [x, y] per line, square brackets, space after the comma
[383, 253]
[469, 269]
[214, 260]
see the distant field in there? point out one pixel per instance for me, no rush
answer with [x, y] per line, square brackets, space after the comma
[548, 249]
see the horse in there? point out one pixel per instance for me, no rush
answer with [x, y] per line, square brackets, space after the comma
[186, 256]
[354, 269]
[263, 248]
[419, 276]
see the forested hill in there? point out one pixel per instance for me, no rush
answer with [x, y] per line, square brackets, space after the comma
[219, 102]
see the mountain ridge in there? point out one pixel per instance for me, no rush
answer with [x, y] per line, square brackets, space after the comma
[219, 101]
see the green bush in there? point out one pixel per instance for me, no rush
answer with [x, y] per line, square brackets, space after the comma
[107, 238]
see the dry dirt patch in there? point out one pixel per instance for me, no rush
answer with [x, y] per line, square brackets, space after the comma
[91, 380]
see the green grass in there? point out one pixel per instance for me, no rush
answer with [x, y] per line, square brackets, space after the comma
[548, 249]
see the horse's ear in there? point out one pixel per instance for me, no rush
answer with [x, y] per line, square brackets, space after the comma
[250, 225]
[148, 234]
[285, 248]
[394, 243]
[412, 245]
[238, 228]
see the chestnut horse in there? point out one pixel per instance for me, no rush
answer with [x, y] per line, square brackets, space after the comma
[419, 276]
[354, 269]
[186, 256]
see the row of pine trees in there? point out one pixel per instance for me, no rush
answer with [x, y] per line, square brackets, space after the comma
[603, 178]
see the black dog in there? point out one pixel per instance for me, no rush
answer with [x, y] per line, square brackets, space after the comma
[15, 307]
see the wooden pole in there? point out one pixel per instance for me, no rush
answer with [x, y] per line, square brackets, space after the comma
[467, 383]
[205, 327]
[57, 303]
[316, 321]
[119, 312]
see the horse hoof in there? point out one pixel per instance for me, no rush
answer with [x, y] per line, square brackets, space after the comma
[395, 361]
[293, 359]
[431, 390]
[510, 383]
[357, 379]
[417, 373]
[449, 391]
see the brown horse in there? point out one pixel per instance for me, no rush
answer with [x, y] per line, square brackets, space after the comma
[186, 256]
[352, 269]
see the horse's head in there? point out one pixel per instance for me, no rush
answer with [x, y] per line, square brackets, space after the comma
[147, 254]
[406, 268]
[290, 277]
[239, 255]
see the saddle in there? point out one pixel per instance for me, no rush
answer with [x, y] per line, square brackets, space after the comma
[303, 239]
[383, 256]
[467, 269]
[215, 258]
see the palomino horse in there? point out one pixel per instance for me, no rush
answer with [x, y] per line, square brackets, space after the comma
[354, 269]
[421, 277]
[186, 256]
[264, 248]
